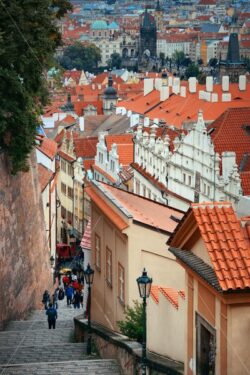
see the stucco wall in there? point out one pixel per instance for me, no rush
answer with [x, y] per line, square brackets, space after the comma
[238, 340]
[24, 257]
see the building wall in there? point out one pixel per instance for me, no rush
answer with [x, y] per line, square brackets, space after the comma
[238, 339]
[106, 308]
[24, 255]
[166, 328]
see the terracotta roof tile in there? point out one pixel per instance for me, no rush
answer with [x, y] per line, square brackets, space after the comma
[171, 294]
[225, 242]
[143, 210]
[245, 182]
[155, 293]
[103, 173]
[85, 147]
[86, 240]
[48, 147]
[106, 209]
[44, 176]
[125, 147]
[65, 156]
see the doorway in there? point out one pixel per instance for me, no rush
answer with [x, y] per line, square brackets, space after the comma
[205, 347]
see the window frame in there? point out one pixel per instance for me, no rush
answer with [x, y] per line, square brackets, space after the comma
[98, 253]
[109, 267]
[121, 284]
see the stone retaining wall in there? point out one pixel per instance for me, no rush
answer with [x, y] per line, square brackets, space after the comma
[24, 255]
[112, 345]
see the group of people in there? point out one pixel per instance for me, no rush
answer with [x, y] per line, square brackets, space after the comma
[72, 288]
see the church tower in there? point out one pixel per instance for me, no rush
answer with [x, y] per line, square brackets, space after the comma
[148, 36]
[158, 14]
[233, 66]
[109, 97]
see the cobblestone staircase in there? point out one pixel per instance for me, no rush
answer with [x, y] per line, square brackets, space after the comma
[30, 348]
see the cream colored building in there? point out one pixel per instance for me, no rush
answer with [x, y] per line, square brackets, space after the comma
[129, 233]
[213, 246]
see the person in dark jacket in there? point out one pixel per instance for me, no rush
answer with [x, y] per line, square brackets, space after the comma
[61, 294]
[77, 299]
[46, 299]
[52, 316]
[69, 291]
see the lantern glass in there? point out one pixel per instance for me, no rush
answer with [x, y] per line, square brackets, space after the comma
[144, 284]
[89, 275]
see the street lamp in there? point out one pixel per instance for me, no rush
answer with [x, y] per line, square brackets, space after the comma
[144, 285]
[89, 276]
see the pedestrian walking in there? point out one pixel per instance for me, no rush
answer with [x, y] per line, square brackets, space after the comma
[55, 298]
[77, 299]
[61, 294]
[52, 316]
[69, 291]
[65, 280]
[46, 299]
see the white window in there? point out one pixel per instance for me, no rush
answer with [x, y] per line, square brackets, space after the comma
[109, 266]
[97, 252]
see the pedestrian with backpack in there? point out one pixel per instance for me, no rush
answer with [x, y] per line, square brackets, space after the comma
[52, 316]
[46, 299]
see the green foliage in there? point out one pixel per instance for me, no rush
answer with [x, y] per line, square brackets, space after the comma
[28, 39]
[80, 57]
[115, 61]
[132, 326]
[178, 58]
[192, 71]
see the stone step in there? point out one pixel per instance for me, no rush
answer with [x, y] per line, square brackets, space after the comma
[90, 367]
[47, 353]
[67, 313]
[26, 325]
[39, 337]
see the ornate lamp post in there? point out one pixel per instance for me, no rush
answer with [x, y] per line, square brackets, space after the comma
[89, 276]
[144, 285]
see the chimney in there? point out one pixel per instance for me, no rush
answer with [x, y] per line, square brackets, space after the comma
[201, 94]
[81, 123]
[228, 159]
[146, 121]
[164, 93]
[209, 84]
[242, 83]
[225, 83]
[148, 85]
[214, 97]
[170, 81]
[158, 83]
[176, 85]
[93, 86]
[192, 85]
[226, 97]
[183, 91]
[99, 86]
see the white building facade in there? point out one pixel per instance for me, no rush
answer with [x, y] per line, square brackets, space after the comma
[193, 172]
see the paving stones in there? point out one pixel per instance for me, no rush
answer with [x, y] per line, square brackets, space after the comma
[30, 348]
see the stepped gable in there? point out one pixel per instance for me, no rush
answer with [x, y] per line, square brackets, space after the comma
[227, 247]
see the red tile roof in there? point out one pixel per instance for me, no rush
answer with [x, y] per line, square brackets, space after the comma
[103, 173]
[171, 294]
[44, 176]
[224, 239]
[106, 209]
[245, 182]
[85, 147]
[65, 156]
[125, 147]
[230, 133]
[48, 147]
[88, 164]
[86, 240]
[145, 211]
